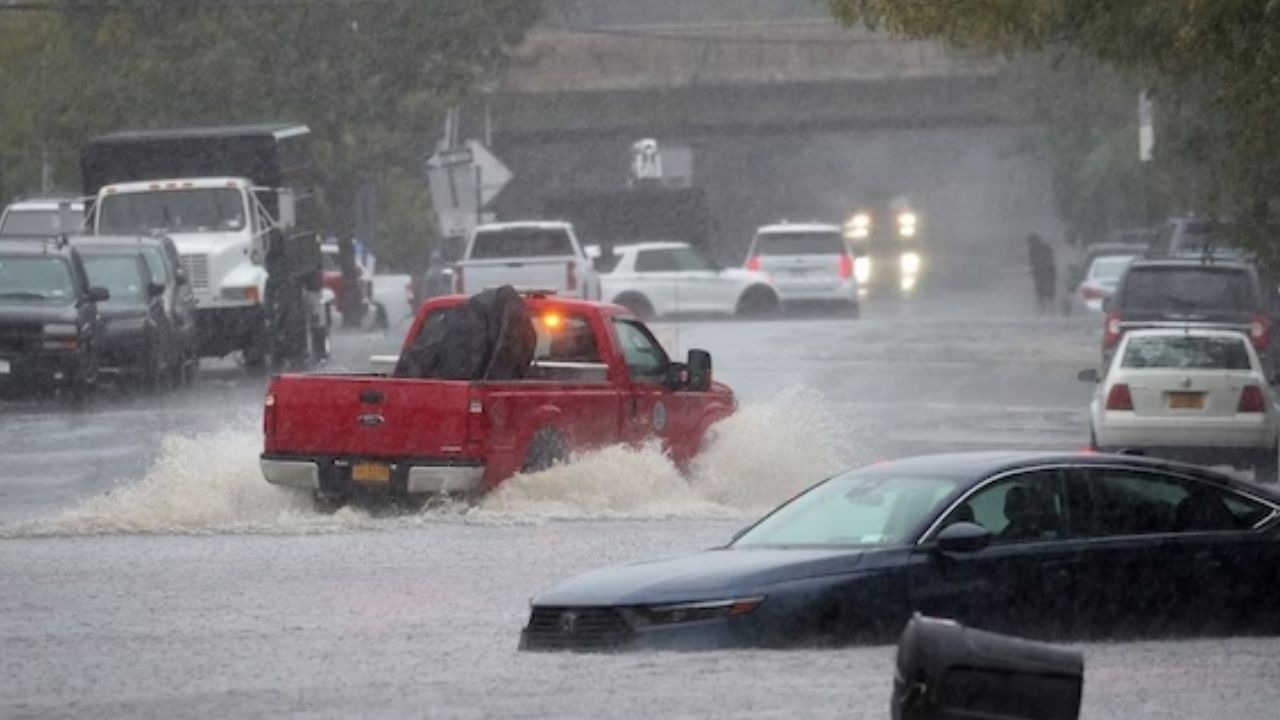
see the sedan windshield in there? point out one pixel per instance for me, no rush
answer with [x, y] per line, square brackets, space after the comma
[36, 279]
[119, 274]
[1187, 352]
[201, 210]
[1110, 267]
[866, 508]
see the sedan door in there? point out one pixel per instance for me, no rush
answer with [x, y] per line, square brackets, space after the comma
[1024, 581]
[1166, 553]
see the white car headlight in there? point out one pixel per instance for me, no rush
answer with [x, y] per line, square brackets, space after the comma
[910, 263]
[907, 222]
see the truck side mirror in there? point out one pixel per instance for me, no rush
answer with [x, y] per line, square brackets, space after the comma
[98, 294]
[699, 370]
[286, 209]
[180, 277]
[155, 289]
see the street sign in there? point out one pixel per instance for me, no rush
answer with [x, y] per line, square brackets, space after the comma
[1146, 128]
[493, 174]
[450, 158]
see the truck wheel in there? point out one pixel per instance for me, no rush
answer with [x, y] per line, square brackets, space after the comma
[547, 448]
[638, 304]
[758, 301]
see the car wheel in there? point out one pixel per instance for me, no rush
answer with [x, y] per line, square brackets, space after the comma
[638, 304]
[758, 301]
[547, 448]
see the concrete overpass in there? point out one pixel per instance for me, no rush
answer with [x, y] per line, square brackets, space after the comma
[787, 115]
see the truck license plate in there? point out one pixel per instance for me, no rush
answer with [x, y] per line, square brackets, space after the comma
[1186, 401]
[5, 367]
[370, 473]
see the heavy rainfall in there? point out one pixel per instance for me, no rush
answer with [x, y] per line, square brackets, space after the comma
[639, 358]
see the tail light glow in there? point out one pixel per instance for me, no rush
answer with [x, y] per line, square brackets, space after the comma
[1252, 400]
[846, 267]
[1111, 330]
[1259, 331]
[1119, 397]
[754, 263]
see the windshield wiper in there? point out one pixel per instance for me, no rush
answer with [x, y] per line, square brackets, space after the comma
[21, 295]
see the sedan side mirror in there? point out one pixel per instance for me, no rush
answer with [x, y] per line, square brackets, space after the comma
[155, 289]
[1089, 376]
[98, 294]
[963, 537]
[699, 370]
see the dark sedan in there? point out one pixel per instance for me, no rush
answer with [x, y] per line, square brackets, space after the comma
[1034, 544]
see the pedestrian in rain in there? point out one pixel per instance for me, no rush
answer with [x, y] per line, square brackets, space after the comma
[1043, 272]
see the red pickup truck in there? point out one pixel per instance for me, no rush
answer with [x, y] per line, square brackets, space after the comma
[598, 377]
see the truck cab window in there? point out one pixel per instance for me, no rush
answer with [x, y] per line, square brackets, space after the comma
[646, 360]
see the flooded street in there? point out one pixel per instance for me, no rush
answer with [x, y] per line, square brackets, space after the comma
[154, 574]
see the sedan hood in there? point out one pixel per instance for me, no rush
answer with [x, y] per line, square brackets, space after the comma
[708, 575]
[20, 312]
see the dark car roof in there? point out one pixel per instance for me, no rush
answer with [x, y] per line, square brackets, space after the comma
[974, 466]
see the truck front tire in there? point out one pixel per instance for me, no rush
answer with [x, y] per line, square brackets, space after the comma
[547, 449]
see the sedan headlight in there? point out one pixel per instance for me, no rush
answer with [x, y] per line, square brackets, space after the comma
[858, 227]
[910, 263]
[61, 330]
[696, 611]
[907, 222]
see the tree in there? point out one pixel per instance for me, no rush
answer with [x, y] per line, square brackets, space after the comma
[371, 79]
[1210, 65]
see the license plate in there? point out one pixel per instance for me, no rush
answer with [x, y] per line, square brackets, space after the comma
[5, 367]
[371, 473]
[1186, 401]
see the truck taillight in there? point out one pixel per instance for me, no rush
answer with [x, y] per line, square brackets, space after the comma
[846, 267]
[1119, 398]
[1259, 332]
[571, 276]
[754, 263]
[1111, 330]
[459, 283]
[1252, 400]
[269, 417]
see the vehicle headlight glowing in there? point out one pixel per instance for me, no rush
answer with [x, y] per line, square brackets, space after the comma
[61, 330]
[858, 227]
[862, 269]
[910, 263]
[696, 611]
[907, 222]
[907, 283]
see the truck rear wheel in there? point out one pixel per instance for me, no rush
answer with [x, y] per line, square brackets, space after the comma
[758, 301]
[547, 449]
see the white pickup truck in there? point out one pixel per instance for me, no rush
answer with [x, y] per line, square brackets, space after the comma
[529, 255]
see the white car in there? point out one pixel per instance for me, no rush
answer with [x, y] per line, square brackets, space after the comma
[1188, 393]
[810, 263]
[1100, 280]
[42, 217]
[652, 279]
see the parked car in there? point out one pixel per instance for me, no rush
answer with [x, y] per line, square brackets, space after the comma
[1190, 394]
[165, 266]
[597, 377]
[137, 340]
[533, 255]
[809, 263]
[1033, 544]
[1209, 292]
[49, 318]
[653, 279]
[1100, 280]
[1077, 270]
[42, 217]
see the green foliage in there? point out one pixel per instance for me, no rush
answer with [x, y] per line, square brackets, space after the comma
[1211, 66]
[371, 79]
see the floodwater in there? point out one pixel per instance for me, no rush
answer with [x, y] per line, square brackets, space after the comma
[150, 572]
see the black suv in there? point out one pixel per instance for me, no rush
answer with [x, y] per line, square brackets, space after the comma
[49, 323]
[1207, 292]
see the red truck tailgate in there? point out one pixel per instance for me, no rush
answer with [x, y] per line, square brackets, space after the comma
[368, 416]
